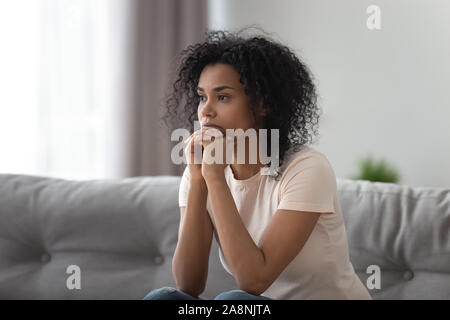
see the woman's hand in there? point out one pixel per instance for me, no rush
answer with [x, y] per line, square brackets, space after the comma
[207, 164]
[193, 162]
[214, 159]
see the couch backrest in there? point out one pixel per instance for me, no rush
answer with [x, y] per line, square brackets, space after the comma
[121, 234]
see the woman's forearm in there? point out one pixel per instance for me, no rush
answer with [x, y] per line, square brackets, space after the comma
[243, 256]
[191, 257]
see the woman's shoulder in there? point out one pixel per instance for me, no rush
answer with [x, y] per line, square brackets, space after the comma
[305, 164]
[308, 182]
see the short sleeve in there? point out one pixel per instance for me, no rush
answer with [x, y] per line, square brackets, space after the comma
[183, 191]
[309, 184]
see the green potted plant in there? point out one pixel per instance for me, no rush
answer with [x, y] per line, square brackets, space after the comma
[377, 171]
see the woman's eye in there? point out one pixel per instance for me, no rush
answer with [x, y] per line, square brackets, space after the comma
[220, 97]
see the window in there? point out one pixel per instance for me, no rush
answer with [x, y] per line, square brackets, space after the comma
[55, 85]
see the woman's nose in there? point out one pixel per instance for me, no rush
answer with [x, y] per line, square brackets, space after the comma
[207, 111]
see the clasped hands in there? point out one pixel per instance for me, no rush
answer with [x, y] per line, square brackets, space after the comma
[216, 154]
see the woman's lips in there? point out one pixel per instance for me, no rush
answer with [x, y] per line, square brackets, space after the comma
[211, 125]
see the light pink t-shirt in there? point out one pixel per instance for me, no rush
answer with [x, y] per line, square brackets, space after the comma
[322, 269]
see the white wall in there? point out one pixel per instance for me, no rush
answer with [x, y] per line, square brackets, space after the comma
[384, 92]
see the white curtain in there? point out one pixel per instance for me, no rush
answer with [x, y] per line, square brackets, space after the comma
[63, 77]
[81, 83]
[18, 85]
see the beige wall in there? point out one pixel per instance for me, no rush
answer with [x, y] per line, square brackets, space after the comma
[383, 92]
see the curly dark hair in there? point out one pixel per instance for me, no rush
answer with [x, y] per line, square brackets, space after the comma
[270, 72]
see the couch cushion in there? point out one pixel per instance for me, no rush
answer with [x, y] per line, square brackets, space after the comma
[405, 231]
[120, 233]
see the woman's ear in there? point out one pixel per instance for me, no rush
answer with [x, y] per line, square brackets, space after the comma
[261, 113]
[261, 110]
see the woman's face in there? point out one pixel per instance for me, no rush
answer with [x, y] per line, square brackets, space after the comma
[223, 101]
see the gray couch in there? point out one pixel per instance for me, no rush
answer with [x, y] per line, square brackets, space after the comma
[122, 234]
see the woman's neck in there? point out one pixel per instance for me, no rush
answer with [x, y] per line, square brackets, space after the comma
[244, 171]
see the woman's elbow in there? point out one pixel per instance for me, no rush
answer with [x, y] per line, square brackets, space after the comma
[255, 289]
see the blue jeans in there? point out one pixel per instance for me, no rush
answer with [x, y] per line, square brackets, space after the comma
[169, 293]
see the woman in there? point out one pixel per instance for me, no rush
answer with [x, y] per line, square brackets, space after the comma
[281, 235]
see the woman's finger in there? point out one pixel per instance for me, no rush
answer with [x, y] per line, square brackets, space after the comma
[211, 131]
[188, 139]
